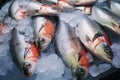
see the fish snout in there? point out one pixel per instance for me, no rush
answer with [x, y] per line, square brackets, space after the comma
[26, 69]
[79, 72]
[43, 42]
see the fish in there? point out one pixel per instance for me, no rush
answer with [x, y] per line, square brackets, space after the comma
[24, 54]
[94, 39]
[69, 48]
[106, 18]
[31, 8]
[43, 29]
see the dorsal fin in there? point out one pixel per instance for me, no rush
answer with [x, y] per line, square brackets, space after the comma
[114, 25]
[87, 38]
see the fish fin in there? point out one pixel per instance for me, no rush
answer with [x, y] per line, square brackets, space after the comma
[83, 58]
[98, 34]
[115, 26]
[108, 2]
[107, 39]
[87, 38]
[84, 62]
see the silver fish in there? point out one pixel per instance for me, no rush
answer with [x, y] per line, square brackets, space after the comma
[18, 10]
[68, 47]
[94, 39]
[106, 18]
[24, 54]
[43, 31]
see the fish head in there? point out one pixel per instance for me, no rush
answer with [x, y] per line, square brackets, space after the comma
[28, 68]
[42, 42]
[30, 61]
[80, 72]
[104, 52]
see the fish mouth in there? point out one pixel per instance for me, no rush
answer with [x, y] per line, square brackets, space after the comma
[108, 59]
[28, 75]
[26, 69]
[79, 72]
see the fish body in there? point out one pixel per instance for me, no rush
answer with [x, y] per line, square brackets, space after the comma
[44, 30]
[68, 47]
[18, 10]
[94, 39]
[24, 54]
[106, 18]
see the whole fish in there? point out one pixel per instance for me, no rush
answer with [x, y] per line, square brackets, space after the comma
[106, 18]
[94, 39]
[43, 31]
[24, 54]
[115, 7]
[18, 10]
[68, 47]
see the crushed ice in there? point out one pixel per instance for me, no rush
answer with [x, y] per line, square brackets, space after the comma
[49, 66]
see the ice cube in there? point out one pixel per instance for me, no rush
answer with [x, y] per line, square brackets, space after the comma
[115, 48]
[67, 74]
[94, 71]
[104, 67]
[65, 16]
[116, 61]
[76, 20]
[50, 67]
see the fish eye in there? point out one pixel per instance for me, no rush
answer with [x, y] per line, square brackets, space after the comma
[42, 40]
[107, 48]
[54, 8]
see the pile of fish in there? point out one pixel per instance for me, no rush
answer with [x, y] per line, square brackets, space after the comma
[71, 42]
